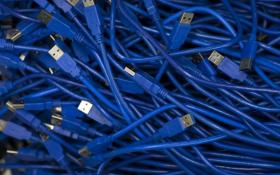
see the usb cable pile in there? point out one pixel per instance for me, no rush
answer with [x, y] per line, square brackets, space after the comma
[120, 87]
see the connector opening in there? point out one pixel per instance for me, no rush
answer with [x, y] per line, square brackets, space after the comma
[85, 107]
[44, 16]
[186, 18]
[56, 120]
[84, 152]
[216, 58]
[56, 52]
[13, 34]
[88, 3]
[187, 120]
[2, 125]
[73, 2]
[129, 71]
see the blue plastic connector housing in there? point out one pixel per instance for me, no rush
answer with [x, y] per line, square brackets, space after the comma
[93, 17]
[96, 146]
[248, 55]
[45, 5]
[65, 61]
[55, 150]
[12, 61]
[147, 83]
[92, 112]
[181, 31]
[78, 5]
[30, 154]
[46, 60]
[175, 126]
[22, 29]
[67, 133]
[63, 5]
[227, 66]
[128, 86]
[14, 130]
[5, 87]
[59, 24]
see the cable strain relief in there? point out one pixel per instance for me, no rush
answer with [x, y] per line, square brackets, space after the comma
[98, 159]
[99, 39]
[6, 45]
[10, 85]
[79, 37]
[62, 162]
[157, 136]
[155, 16]
[71, 14]
[250, 82]
[163, 93]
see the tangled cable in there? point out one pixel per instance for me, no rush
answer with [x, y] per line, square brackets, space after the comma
[119, 87]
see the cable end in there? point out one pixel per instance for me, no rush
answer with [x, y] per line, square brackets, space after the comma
[10, 106]
[55, 52]
[129, 71]
[186, 18]
[73, 2]
[13, 34]
[88, 3]
[85, 107]
[187, 120]
[56, 120]
[12, 152]
[216, 58]
[45, 17]
[246, 64]
[51, 127]
[22, 57]
[3, 125]
[84, 152]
